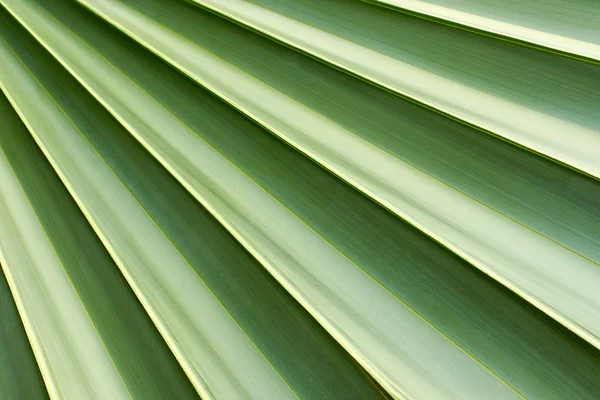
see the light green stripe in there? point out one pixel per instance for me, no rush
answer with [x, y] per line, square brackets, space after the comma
[547, 23]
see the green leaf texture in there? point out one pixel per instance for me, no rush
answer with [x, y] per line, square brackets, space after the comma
[298, 199]
[546, 23]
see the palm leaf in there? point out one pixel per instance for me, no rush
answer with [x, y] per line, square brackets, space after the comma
[329, 371]
[278, 219]
[533, 265]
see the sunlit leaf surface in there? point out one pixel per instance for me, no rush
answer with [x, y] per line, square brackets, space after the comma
[298, 199]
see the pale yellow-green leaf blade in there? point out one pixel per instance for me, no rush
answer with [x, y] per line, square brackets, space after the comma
[531, 22]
